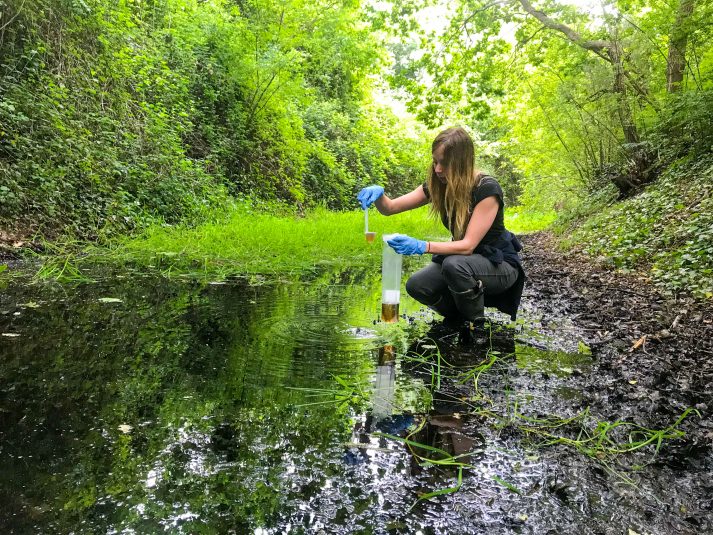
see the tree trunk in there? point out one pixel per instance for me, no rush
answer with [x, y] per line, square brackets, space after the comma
[611, 52]
[678, 42]
[631, 134]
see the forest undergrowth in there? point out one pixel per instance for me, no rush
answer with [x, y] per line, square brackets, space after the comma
[665, 232]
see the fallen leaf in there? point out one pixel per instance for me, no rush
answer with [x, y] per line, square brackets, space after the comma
[633, 381]
[641, 341]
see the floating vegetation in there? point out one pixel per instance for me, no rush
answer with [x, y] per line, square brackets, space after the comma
[602, 440]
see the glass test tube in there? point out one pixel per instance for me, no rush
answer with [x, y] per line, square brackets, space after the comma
[390, 282]
[368, 235]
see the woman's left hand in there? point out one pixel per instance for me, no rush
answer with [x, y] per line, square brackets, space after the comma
[403, 244]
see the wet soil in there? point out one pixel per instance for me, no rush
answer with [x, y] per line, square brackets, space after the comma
[652, 352]
[652, 359]
[599, 347]
[13, 243]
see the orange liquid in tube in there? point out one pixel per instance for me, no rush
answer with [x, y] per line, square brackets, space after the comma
[390, 312]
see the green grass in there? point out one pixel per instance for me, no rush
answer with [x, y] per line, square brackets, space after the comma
[244, 241]
[523, 221]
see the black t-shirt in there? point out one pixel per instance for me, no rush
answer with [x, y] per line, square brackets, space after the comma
[487, 187]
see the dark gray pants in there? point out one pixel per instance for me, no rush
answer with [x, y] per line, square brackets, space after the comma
[457, 287]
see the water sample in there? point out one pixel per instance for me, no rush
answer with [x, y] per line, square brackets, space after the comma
[389, 312]
[368, 235]
[390, 282]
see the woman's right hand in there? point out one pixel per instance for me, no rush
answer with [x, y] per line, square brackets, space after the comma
[368, 195]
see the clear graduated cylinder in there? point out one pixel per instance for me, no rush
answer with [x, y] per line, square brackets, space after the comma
[390, 282]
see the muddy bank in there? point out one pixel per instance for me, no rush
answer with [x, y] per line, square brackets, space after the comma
[652, 356]
[609, 355]
[655, 353]
[12, 246]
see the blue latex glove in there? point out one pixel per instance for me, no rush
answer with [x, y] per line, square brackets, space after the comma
[403, 244]
[368, 195]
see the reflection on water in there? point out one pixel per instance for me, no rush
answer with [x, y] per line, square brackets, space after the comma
[149, 404]
[153, 406]
[385, 383]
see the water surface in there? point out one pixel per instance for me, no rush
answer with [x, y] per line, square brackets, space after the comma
[147, 405]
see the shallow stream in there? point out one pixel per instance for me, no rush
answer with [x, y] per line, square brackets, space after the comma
[147, 405]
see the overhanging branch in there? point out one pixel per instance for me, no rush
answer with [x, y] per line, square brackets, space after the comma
[598, 46]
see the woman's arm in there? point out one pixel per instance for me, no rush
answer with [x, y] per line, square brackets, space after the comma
[480, 222]
[411, 200]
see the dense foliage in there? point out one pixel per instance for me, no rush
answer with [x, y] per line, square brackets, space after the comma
[668, 227]
[576, 101]
[580, 109]
[115, 113]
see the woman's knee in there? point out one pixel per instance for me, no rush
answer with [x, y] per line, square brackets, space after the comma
[424, 287]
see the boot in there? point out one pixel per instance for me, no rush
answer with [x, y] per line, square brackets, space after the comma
[452, 319]
[471, 304]
[474, 334]
[447, 308]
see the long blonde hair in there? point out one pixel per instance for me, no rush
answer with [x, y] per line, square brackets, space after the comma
[451, 201]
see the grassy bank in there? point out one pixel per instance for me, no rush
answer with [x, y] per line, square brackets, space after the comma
[666, 230]
[245, 241]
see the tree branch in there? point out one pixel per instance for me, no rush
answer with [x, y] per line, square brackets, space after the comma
[598, 46]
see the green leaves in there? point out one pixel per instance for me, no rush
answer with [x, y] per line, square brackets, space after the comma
[668, 228]
[158, 113]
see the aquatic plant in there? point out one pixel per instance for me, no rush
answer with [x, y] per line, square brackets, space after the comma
[349, 394]
[597, 439]
[603, 441]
